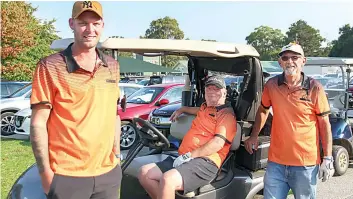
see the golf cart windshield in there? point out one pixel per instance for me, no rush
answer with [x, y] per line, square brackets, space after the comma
[336, 80]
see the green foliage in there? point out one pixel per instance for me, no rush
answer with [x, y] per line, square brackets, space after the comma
[308, 37]
[25, 40]
[343, 46]
[165, 28]
[267, 41]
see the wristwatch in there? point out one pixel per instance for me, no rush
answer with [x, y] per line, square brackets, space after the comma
[120, 156]
[330, 158]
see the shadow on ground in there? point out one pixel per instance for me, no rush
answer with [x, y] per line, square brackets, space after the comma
[24, 139]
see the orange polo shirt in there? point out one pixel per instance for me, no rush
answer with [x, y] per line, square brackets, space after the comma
[210, 122]
[82, 122]
[295, 130]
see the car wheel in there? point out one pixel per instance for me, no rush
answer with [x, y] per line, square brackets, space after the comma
[7, 123]
[341, 159]
[128, 135]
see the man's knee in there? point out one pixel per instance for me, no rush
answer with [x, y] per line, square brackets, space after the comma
[149, 172]
[173, 179]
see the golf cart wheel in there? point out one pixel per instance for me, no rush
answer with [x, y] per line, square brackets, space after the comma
[128, 135]
[7, 123]
[341, 159]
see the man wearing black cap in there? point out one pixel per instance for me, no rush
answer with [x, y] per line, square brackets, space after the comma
[74, 128]
[202, 151]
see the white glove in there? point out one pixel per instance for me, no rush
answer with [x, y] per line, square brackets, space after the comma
[182, 159]
[326, 169]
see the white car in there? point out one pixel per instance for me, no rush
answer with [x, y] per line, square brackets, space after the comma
[23, 117]
[23, 121]
[10, 105]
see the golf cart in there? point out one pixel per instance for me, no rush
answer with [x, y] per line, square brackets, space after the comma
[241, 174]
[341, 117]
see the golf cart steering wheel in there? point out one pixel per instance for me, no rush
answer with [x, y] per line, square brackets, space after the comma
[146, 126]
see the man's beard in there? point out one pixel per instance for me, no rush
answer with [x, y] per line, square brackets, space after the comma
[290, 70]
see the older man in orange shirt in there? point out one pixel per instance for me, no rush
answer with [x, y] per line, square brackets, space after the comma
[202, 151]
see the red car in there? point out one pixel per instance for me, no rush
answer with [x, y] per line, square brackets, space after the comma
[140, 104]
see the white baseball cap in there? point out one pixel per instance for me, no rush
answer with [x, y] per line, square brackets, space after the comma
[294, 47]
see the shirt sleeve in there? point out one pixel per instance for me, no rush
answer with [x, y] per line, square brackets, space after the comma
[322, 106]
[266, 100]
[42, 86]
[226, 127]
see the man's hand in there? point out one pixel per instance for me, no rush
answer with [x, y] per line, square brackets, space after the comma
[182, 159]
[326, 168]
[176, 114]
[47, 178]
[251, 143]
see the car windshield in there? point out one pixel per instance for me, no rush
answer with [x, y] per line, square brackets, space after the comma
[22, 91]
[144, 95]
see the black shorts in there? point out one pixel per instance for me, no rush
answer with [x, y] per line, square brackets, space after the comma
[196, 173]
[102, 186]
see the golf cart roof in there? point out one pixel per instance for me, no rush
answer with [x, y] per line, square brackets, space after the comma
[328, 61]
[170, 47]
[181, 47]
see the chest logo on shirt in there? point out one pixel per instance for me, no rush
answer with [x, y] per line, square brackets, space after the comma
[196, 141]
[110, 80]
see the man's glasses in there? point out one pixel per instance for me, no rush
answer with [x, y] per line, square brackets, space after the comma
[286, 58]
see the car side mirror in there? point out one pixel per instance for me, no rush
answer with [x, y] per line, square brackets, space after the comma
[162, 102]
[123, 103]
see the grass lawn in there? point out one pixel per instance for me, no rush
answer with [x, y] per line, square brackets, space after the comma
[16, 157]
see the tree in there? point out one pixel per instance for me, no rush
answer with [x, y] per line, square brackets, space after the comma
[267, 41]
[25, 40]
[123, 54]
[165, 28]
[343, 46]
[308, 37]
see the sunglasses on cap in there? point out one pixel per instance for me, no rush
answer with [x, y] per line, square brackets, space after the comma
[286, 58]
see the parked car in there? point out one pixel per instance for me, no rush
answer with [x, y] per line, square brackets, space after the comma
[128, 88]
[10, 105]
[21, 120]
[140, 104]
[9, 87]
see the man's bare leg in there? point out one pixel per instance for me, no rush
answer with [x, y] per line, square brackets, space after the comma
[170, 182]
[149, 177]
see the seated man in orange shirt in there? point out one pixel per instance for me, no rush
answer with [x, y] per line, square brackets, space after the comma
[202, 151]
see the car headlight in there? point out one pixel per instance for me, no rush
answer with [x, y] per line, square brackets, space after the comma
[149, 116]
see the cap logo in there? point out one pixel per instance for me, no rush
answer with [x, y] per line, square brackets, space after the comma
[87, 4]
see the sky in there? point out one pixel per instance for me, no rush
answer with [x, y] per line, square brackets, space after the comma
[222, 21]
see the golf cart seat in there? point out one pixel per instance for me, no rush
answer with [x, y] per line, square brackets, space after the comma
[179, 128]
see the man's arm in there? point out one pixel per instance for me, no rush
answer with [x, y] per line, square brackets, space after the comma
[184, 109]
[190, 110]
[325, 134]
[211, 147]
[39, 136]
[116, 146]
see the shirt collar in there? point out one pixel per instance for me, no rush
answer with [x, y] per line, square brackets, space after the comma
[71, 63]
[218, 108]
[305, 81]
